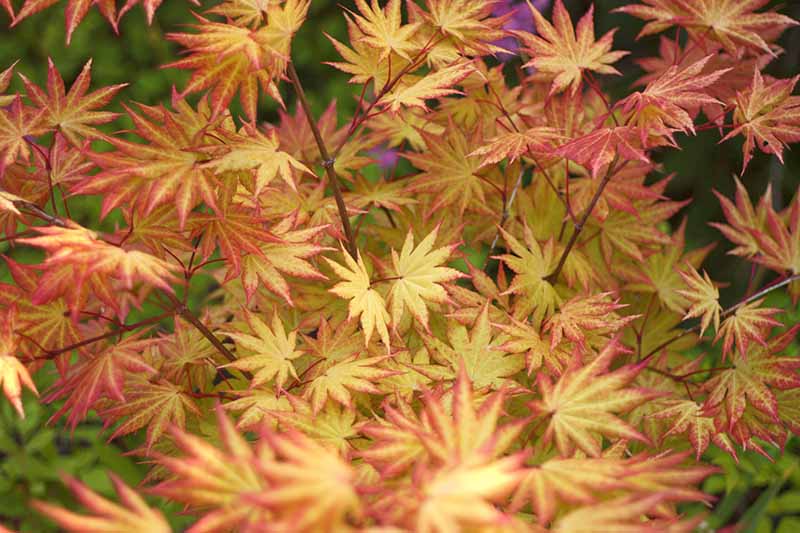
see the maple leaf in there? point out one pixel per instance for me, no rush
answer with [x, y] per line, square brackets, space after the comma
[449, 172]
[527, 339]
[622, 514]
[703, 296]
[582, 314]
[601, 147]
[363, 61]
[433, 85]
[272, 351]
[669, 102]
[133, 515]
[752, 379]
[74, 245]
[17, 123]
[254, 150]
[73, 113]
[584, 481]
[78, 260]
[458, 450]
[99, 375]
[235, 229]
[581, 405]
[514, 144]
[689, 417]
[74, 13]
[564, 53]
[222, 479]
[732, 23]
[334, 426]
[151, 405]
[748, 323]
[767, 115]
[478, 351]
[227, 58]
[257, 407]
[470, 24]
[164, 170]
[288, 255]
[5, 81]
[532, 263]
[745, 222]
[420, 277]
[660, 272]
[49, 323]
[383, 28]
[13, 373]
[365, 301]
[351, 374]
[311, 487]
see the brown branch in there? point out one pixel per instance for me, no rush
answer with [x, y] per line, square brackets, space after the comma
[49, 354]
[760, 294]
[553, 276]
[190, 317]
[327, 162]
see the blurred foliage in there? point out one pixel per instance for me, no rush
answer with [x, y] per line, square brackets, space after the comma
[763, 495]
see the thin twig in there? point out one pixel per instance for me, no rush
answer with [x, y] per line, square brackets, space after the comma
[760, 294]
[327, 162]
[190, 317]
[553, 277]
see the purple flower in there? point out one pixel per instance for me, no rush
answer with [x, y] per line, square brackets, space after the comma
[385, 157]
[521, 19]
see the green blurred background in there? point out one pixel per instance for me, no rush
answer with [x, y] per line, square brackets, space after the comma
[766, 496]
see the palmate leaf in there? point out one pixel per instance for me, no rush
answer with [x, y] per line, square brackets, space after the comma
[449, 171]
[365, 302]
[697, 422]
[586, 481]
[13, 373]
[767, 115]
[668, 103]
[421, 277]
[164, 170]
[269, 353]
[749, 323]
[154, 405]
[753, 379]
[598, 149]
[342, 378]
[532, 263]
[434, 85]
[513, 144]
[459, 453]
[133, 515]
[218, 480]
[582, 314]
[99, 375]
[227, 58]
[312, 488]
[478, 351]
[48, 323]
[703, 296]
[582, 406]
[563, 52]
[81, 251]
[288, 255]
[258, 152]
[733, 23]
[73, 113]
[383, 28]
